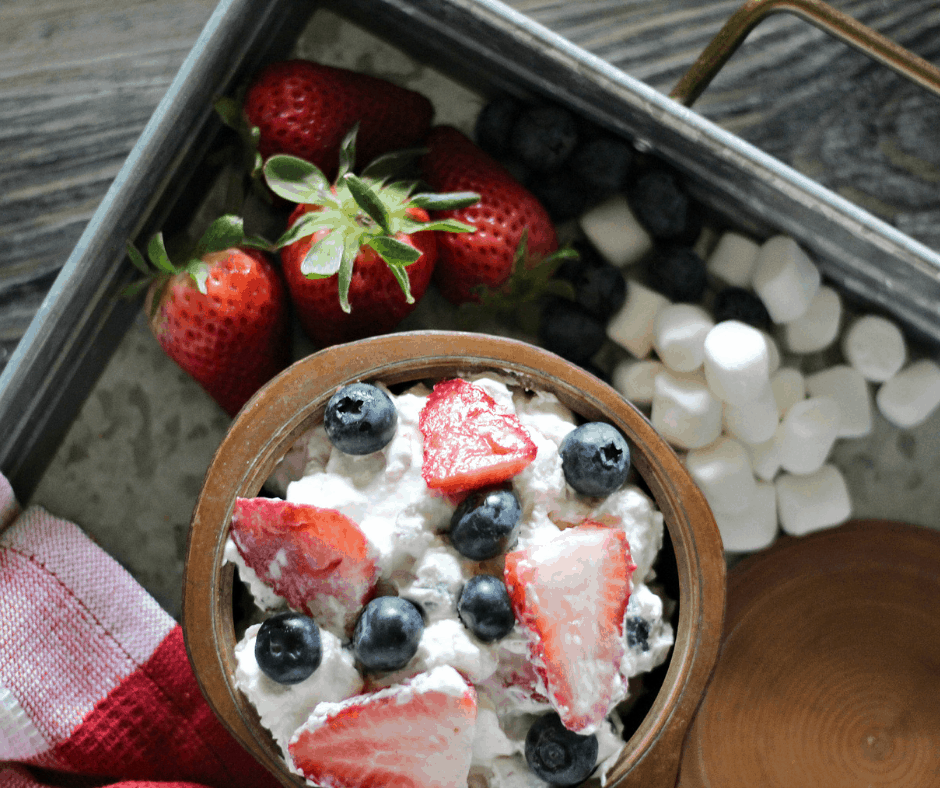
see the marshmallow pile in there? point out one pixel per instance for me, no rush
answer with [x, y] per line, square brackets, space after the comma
[754, 429]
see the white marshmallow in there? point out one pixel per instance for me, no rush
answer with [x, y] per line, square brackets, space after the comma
[811, 502]
[684, 411]
[723, 472]
[784, 278]
[848, 388]
[789, 387]
[765, 458]
[912, 395]
[807, 433]
[736, 362]
[632, 326]
[613, 229]
[732, 260]
[875, 346]
[753, 528]
[819, 327]
[774, 359]
[755, 421]
[679, 336]
[635, 379]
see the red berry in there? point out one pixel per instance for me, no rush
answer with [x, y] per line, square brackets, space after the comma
[469, 442]
[317, 559]
[418, 734]
[305, 109]
[570, 595]
[232, 338]
[506, 209]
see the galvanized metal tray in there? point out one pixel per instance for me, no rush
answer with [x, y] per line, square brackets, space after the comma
[484, 44]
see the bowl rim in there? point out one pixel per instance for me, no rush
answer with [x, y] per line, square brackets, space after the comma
[295, 399]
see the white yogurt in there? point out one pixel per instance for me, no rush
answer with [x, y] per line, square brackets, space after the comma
[405, 522]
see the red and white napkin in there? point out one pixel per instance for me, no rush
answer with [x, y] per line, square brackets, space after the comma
[95, 686]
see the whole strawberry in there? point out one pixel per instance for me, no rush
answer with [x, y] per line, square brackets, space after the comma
[304, 109]
[358, 254]
[222, 316]
[514, 232]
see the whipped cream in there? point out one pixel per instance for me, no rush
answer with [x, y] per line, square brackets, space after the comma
[406, 525]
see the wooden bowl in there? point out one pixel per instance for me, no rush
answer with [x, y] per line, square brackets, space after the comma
[295, 400]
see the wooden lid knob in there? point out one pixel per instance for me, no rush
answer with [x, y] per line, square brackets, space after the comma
[829, 670]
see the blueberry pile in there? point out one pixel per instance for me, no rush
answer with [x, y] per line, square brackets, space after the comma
[572, 165]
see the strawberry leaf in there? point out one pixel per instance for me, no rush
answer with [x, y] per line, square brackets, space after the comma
[296, 180]
[394, 252]
[134, 288]
[138, 260]
[199, 271]
[438, 225]
[344, 275]
[401, 275]
[450, 201]
[324, 257]
[347, 152]
[156, 251]
[368, 201]
[224, 233]
[306, 225]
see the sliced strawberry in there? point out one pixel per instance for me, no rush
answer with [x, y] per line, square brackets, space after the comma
[418, 734]
[570, 595]
[469, 442]
[317, 559]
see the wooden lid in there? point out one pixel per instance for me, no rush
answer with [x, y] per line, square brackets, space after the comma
[829, 670]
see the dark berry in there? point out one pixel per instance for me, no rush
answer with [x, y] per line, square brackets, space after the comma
[560, 193]
[595, 458]
[387, 633]
[360, 419]
[485, 608]
[485, 524]
[679, 274]
[638, 632]
[568, 329]
[736, 303]
[543, 137]
[494, 125]
[602, 164]
[288, 648]
[557, 755]
[599, 286]
[662, 206]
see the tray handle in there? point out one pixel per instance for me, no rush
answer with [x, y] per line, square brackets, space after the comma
[823, 16]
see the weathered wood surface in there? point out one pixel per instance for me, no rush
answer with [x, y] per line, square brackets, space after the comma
[79, 79]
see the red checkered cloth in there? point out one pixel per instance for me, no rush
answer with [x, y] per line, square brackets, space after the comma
[95, 686]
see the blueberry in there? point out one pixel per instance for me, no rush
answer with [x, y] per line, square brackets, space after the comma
[544, 136]
[494, 124]
[561, 194]
[736, 303]
[360, 419]
[602, 164]
[485, 608]
[662, 206]
[638, 632]
[557, 755]
[595, 458]
[288, 648]
[599, 286]
[568, 329]
[485, 524]
[679, 274]
[387, 633]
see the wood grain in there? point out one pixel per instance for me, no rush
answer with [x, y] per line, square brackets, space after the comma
[78, 81]
[80, 78]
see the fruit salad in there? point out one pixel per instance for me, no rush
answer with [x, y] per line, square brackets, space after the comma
[455, 587]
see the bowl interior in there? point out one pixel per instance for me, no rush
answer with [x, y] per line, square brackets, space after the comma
[295, 400]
